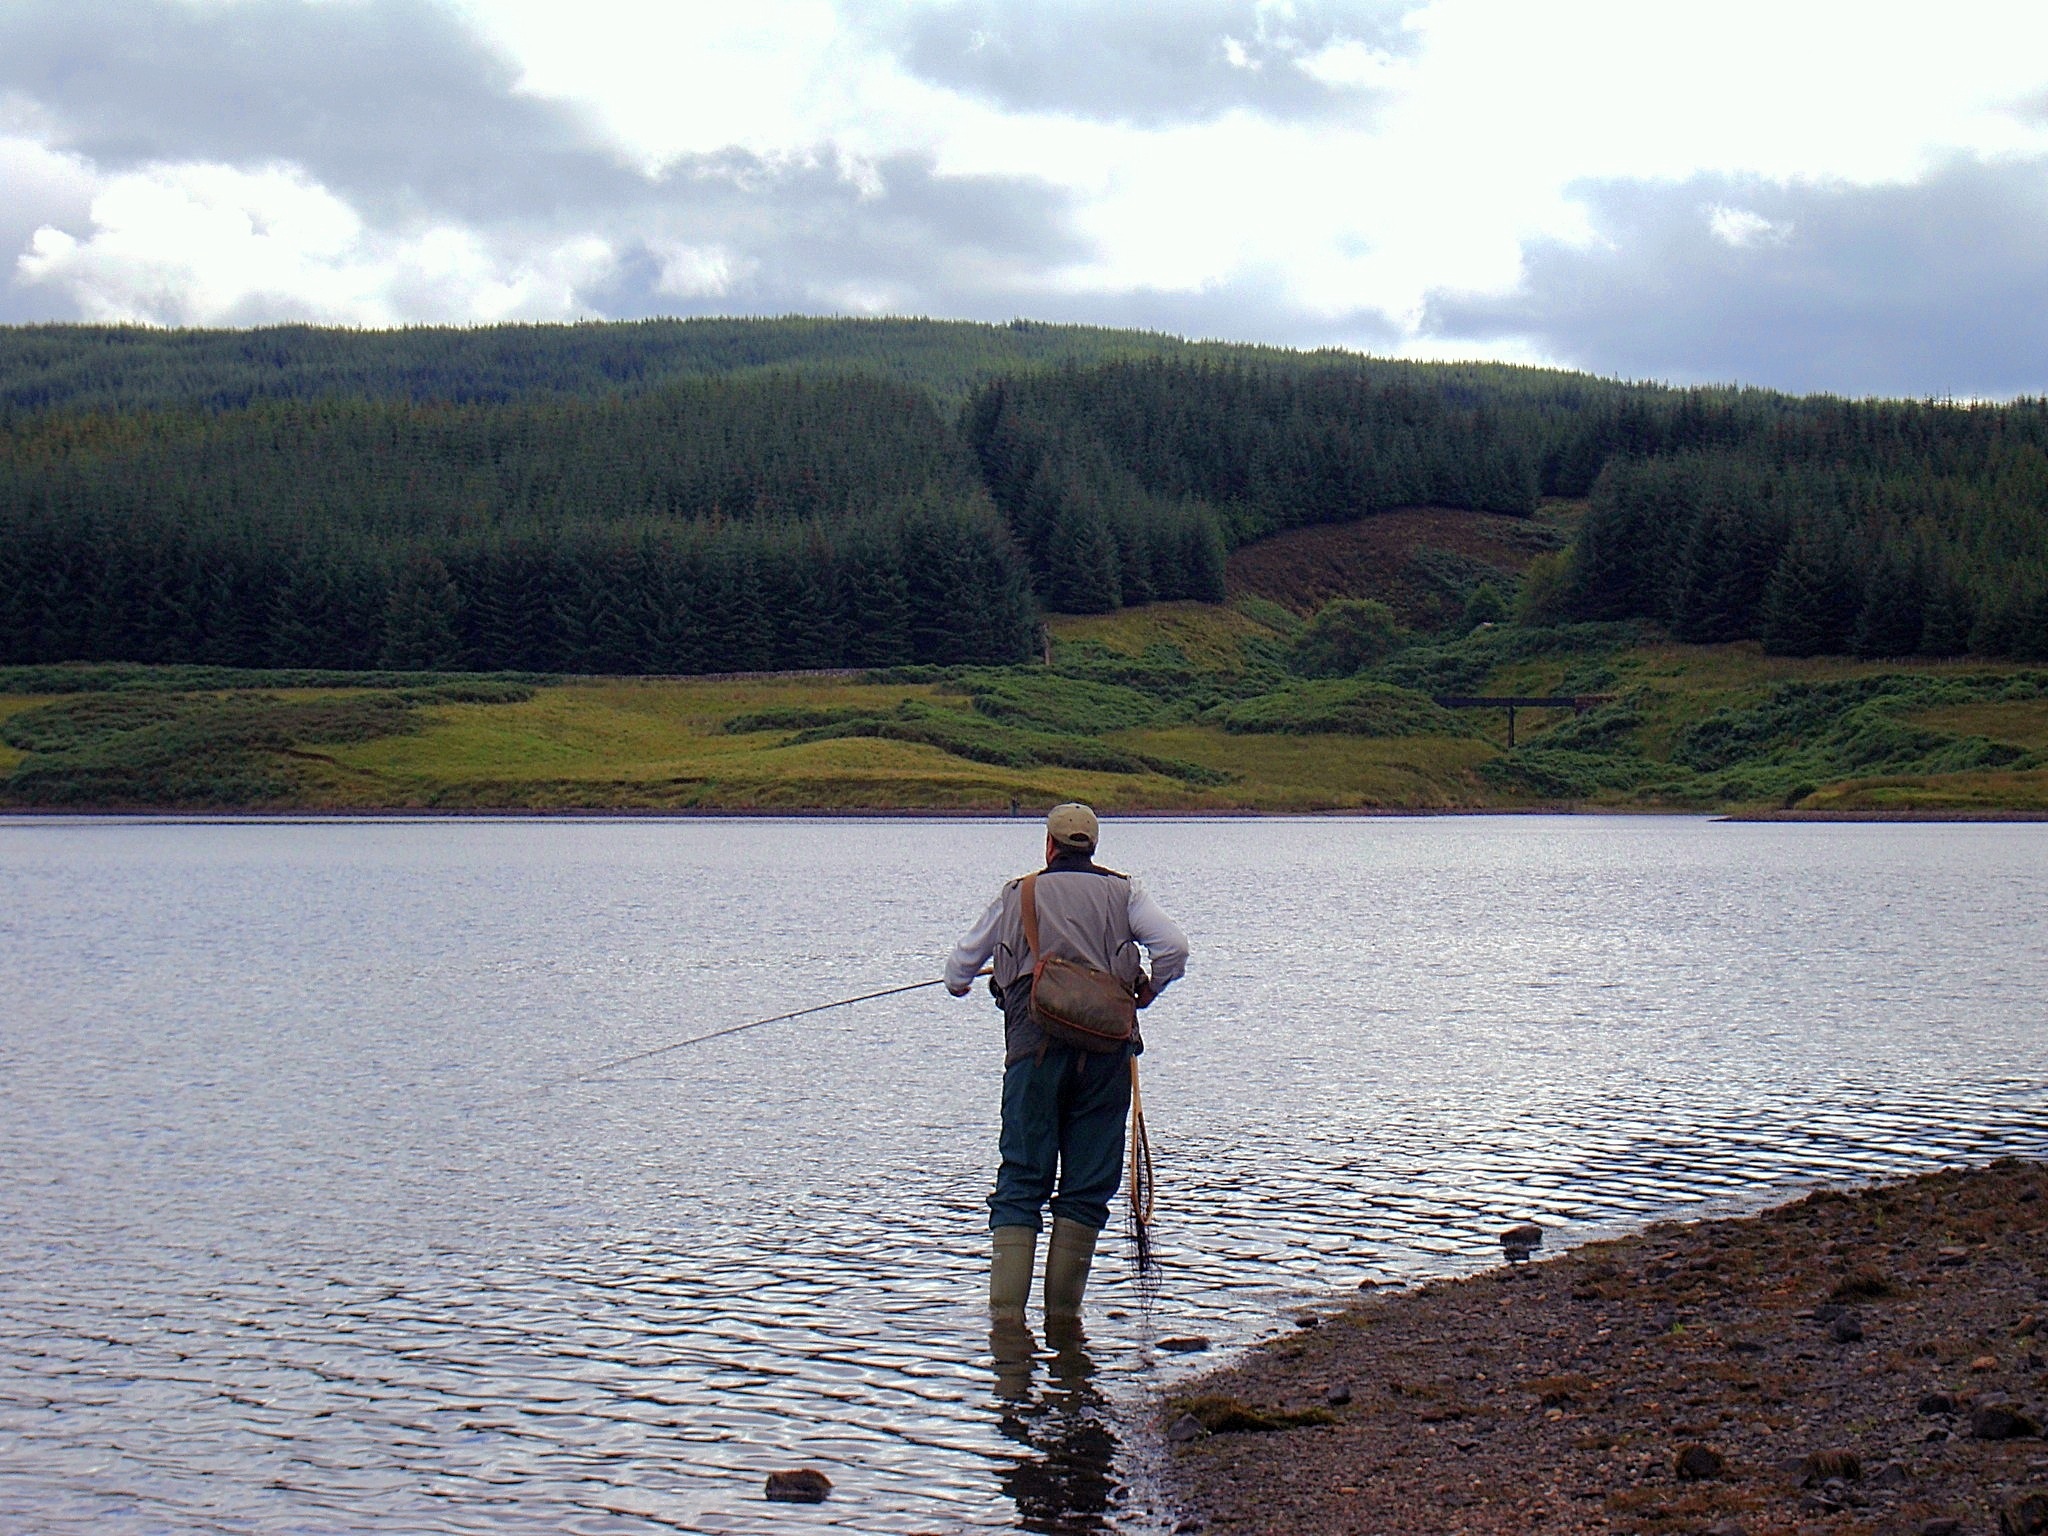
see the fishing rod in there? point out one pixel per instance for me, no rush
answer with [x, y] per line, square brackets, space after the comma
[736, 1029]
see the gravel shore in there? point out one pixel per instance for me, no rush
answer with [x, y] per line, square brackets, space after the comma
[1866, 1361]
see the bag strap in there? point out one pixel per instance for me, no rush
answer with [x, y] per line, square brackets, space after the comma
[1031, 916]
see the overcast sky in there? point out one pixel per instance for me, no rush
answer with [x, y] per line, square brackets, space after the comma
[1802, 194]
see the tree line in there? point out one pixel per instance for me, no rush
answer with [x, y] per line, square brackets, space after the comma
[763, 523]
[726, 495]
[1872, 528]
[135, 368]
[1129, 481]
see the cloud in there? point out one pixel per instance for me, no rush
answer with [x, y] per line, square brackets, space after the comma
[1288, 171]
[1745, 228]
[41, 187]
[372, 163]
[1258, 306]
[208, 244]
[1934, 286]
[740, 233]
[1154, 65]
[212, 245]
[390, 102]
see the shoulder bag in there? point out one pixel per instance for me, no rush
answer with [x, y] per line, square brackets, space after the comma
[1074, 1003]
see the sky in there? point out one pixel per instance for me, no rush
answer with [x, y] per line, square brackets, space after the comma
[1801, 194]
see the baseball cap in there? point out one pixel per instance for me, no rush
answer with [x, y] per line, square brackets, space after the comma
[1073, 826]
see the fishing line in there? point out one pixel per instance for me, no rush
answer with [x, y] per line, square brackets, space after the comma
[735, 1029]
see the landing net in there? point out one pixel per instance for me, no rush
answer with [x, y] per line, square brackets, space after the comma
[1138, 1194]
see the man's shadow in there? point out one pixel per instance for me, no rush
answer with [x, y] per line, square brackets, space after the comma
[1067, 1481]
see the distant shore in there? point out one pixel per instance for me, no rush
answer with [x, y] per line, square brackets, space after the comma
[1885, 816]
[933, 813]
[1867, 1361]
[795, 813]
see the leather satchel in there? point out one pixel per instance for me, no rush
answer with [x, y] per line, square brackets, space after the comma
[1074, 1003]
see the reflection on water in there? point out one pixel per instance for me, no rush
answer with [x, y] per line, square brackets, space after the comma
[1063, 1478]
[290, 1240]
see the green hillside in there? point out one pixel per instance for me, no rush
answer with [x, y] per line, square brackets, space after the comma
[706, 496]
[1172, 707]
[438, 567]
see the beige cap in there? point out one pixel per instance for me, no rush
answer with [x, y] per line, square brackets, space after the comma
[1073, 826]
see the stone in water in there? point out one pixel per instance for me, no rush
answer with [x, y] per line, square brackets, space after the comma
[803, 1485]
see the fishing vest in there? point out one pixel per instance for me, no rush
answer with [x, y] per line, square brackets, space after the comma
[1084, 914]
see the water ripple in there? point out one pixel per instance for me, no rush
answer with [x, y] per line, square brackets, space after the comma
[291, 1242]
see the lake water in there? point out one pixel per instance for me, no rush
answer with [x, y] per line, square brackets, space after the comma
[290, 1241]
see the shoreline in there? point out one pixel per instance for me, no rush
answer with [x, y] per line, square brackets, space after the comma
[174, 815]
[1865, 1361]
[796, 813]
[1886, 816]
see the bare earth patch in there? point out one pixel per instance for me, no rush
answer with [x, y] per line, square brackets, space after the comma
[1375, 557]
[1850, 1363]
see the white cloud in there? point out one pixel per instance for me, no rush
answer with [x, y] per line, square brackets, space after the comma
[197, 244]
[1321, 162]
[40, 185]
[1745, 228]
[1354, 65]
[1471, 151]
[695, 271]
[770, 77]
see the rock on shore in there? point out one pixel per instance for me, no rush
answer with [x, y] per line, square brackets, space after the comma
[1853, 1363]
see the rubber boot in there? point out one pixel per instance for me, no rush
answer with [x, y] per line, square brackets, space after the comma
[1067, 1258]
[1009, 1274]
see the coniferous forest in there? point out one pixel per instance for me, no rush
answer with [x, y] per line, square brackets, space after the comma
[734, 495]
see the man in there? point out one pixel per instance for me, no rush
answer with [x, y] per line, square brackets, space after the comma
[1063, 1107]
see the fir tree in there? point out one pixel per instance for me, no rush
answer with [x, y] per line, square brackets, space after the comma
[1810, 604]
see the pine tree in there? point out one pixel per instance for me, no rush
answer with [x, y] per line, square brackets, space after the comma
[1082, 574]
[421, 619]
[1810, 605]
[1892, 615]
[878, 599]
[1947, 617]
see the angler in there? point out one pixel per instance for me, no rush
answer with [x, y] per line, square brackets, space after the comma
[1069, 978]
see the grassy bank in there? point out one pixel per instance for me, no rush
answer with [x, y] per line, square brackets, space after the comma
[1174, 707]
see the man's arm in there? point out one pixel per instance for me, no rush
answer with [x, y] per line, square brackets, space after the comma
[973, 950]
[1166, 947]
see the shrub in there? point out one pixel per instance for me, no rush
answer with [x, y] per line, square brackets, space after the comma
[1344, 637]
[979, 740]
[154, 749]
[1549, 773]
[1054, 702]
[1484, 607]
[1546, 589]
[1351, 707]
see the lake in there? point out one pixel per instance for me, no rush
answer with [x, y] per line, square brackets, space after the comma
[315, 1218]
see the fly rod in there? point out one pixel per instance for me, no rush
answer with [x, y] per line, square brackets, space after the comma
[735, 1029]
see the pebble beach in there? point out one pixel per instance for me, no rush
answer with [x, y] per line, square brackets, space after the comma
[1854, 1362]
